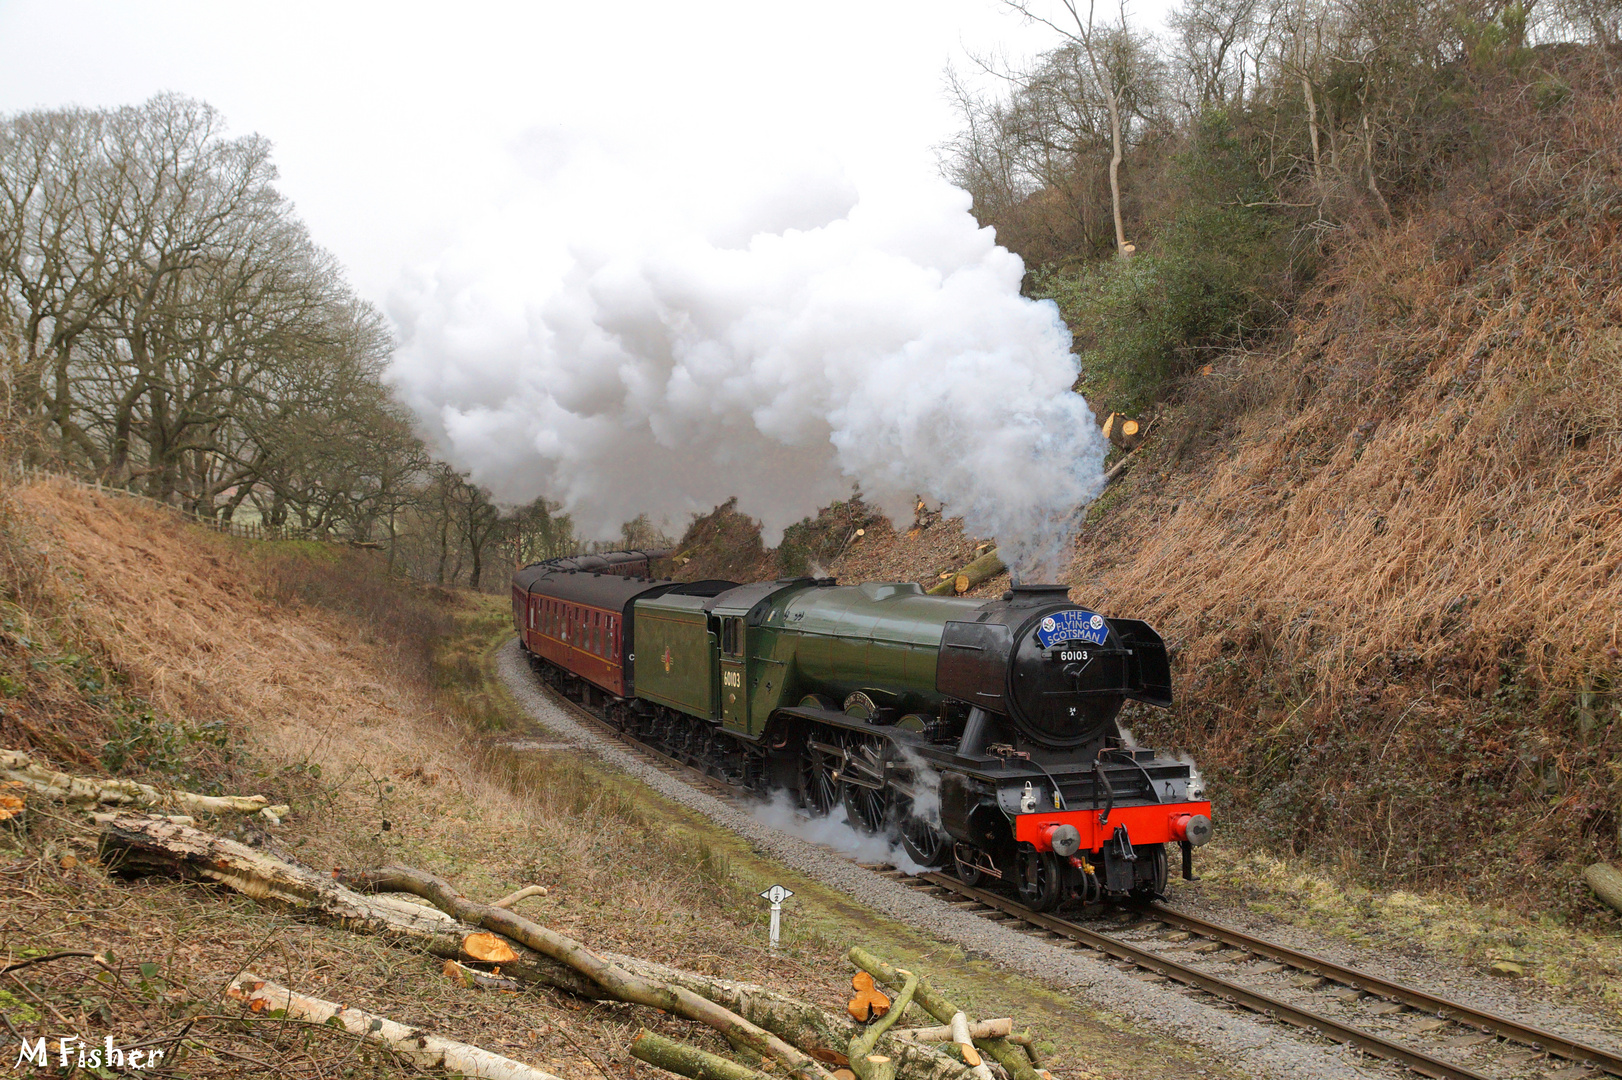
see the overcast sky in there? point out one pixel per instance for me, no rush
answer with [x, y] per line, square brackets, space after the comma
[644, 256]
[394, 122]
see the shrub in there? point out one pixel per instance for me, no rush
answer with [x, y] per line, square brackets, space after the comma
[1211, 278]
[810, 546]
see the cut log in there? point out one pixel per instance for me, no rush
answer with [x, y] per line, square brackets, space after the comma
[981, 570]
[880, 1067]
[1606, 882]
[478, 980]
[959, 1028]
[1009, 1056]
[489, 948]
[1123, 431]
[13, 804]
[618, 982]
[684, 1060]
[522, 894]
[867, 1064]
[869, 1002]
[18, 767]
[415, 1045]
[1000, 1028]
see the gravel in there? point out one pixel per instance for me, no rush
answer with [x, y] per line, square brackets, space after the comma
[1529, 1003]
[1256, 1048]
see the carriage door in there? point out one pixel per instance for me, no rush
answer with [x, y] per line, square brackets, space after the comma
[734, 697]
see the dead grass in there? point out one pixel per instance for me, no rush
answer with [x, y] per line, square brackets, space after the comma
[1392, 586]
[336, 708]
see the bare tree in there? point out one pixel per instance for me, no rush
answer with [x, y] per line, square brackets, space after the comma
[1210, 50]
[1111, 54]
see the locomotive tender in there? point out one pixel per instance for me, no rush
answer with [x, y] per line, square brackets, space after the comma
[982, 734]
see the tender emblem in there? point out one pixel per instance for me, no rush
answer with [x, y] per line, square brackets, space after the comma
[666, 658]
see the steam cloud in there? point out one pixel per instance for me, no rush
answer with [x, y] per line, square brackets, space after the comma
[779, 338]
[833, 830]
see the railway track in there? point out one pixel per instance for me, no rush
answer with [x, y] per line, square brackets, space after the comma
[1386, 1019]
[1347, 1005]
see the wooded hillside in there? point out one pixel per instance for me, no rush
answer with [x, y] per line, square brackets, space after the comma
[1374, 316]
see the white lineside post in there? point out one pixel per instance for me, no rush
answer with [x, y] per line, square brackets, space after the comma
[776, 895]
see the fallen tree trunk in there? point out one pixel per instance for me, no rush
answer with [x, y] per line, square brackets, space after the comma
[983, 1029]
[18, 767]
[615, 980]
[1606, 882]
[1118, 468]
[977, 572]
[684, 1060]
[135, 845]
[1010, 1057]
[417, 1046]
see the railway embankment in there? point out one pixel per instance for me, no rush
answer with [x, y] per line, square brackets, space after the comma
[139, 647]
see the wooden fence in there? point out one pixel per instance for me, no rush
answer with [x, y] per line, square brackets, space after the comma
[28, 474]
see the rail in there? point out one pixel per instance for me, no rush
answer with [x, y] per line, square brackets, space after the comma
[1237, 993]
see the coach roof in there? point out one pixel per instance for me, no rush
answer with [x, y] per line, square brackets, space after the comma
[610, 591]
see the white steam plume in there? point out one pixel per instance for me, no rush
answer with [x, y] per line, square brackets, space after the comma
[625, 346]
[1196, 781]
[833, 830]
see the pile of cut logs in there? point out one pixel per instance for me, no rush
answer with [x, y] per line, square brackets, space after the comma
[491, 947]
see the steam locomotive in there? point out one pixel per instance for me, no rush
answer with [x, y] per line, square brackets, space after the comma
[981, 735]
